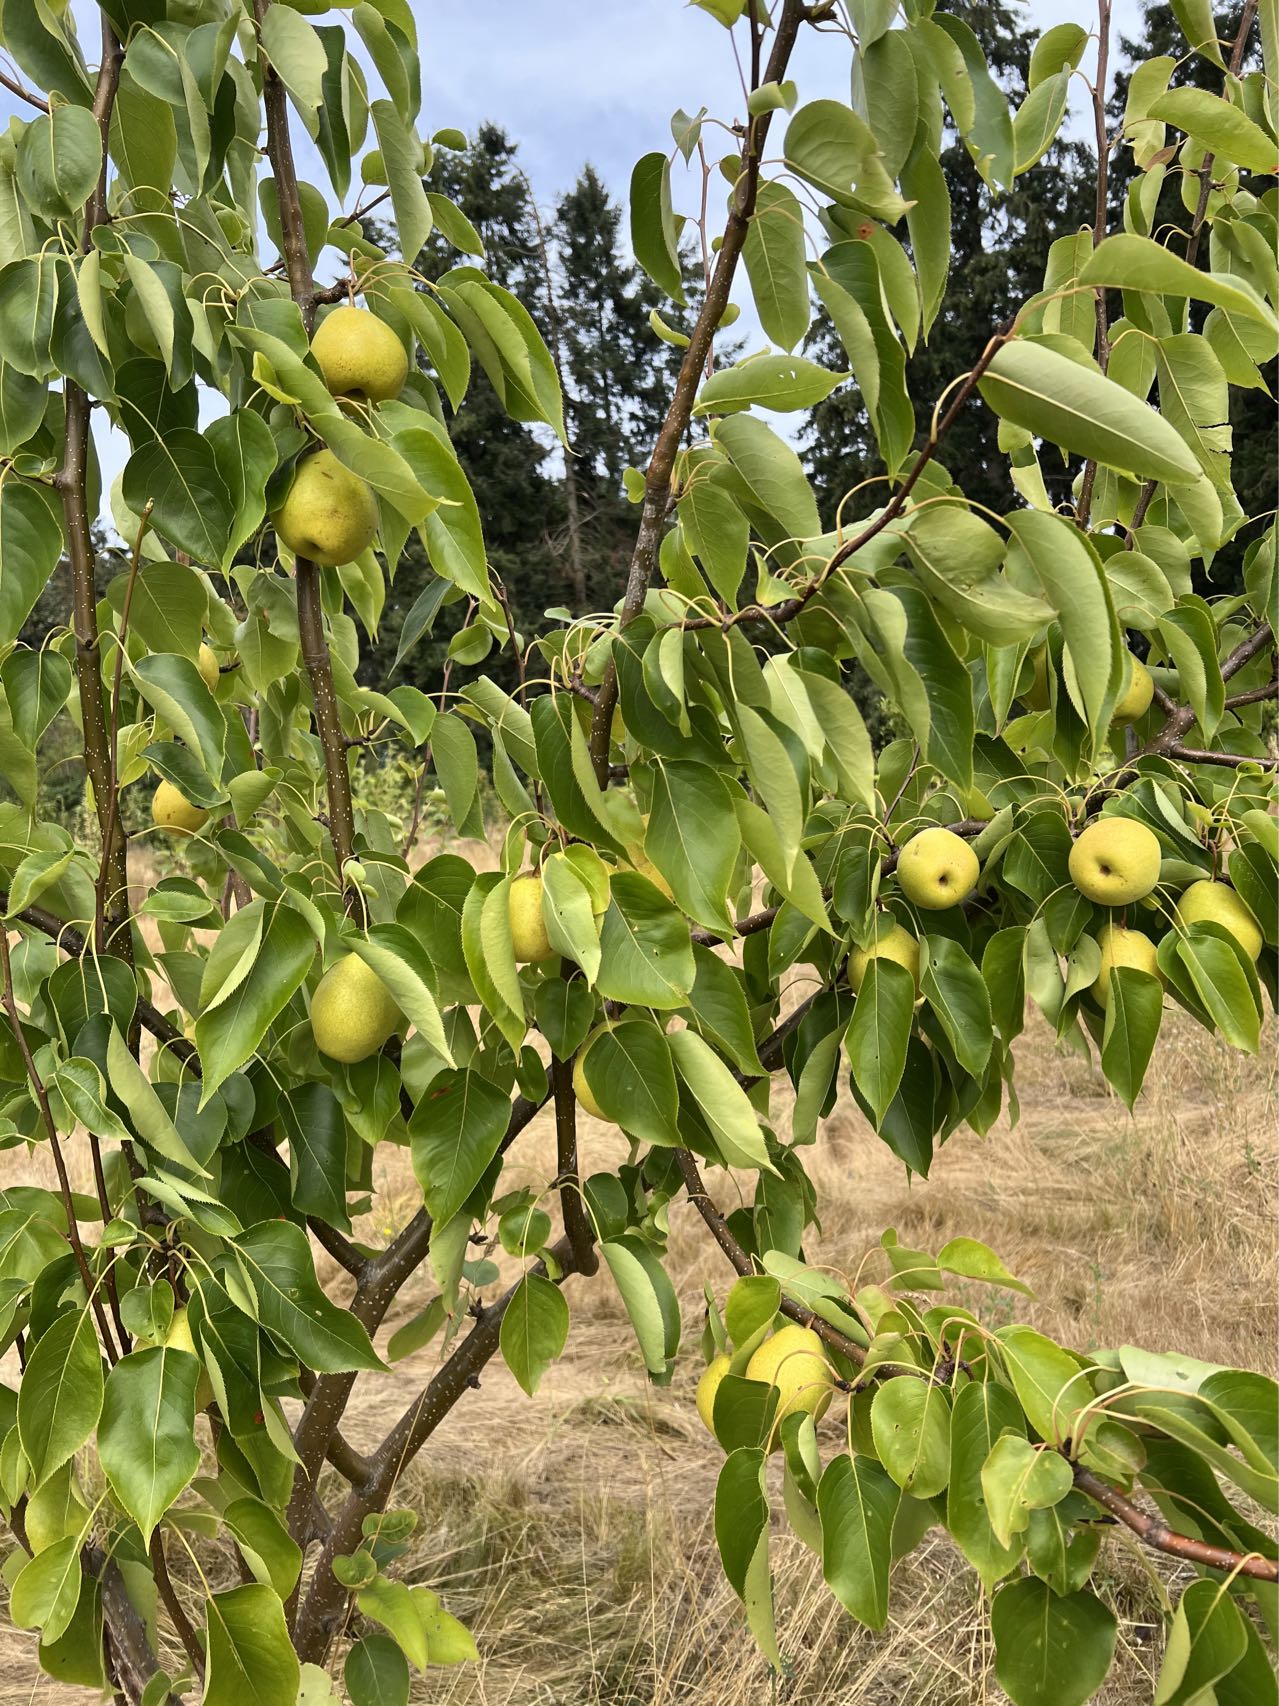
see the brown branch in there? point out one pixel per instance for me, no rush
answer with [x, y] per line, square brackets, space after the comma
[661, 467]
[1100, 221]
[132, 1661]
[1179, 718]
[173, 1605]
[1231, 760]
[1209, 160]
[113, 722]
[23, 94]
[1269, 691]
[10, 1003]
[577, 1224]
[315, 650]
[1155, 1533]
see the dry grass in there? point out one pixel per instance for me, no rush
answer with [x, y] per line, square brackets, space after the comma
[572, 1532]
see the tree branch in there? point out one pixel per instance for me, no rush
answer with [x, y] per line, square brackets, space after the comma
[173, 1605]
[1100, 220]
[315, 650]
[1231, 760]
[661, 467]
[1209, 160]
[577, 1225]
[1156, 1533]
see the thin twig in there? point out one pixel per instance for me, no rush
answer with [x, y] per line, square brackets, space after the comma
[1209, 160]
[1157, 1535]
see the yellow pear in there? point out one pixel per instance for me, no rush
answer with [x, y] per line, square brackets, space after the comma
[1218, 903]
[937, 869]
[359, 354]
[708, 1386]
[1133, 703]
[643, 866]
[352, 1011]
[1115, 861]
[793, 1361]
[1120, 947]
[207, 663]
[330, 515]
[891, 943]
[171, 810]
[524, 908]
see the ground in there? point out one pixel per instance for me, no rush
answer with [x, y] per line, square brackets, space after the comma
[572, 1531]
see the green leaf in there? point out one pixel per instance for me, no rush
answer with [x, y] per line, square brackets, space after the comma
[297, 53]
[725, 1107]
[910, 1424]
[250, 1658]
[654, 232]
[1038, 120]
[276, 1257]
[857, 1502]
[775, 258]
[456, 1130]
[60, 1398]
[957, 994]
[693, 839]
[1051, 1385]
[879, 1033]
[569, 916]
[1017, 1478]
[452, 532]
[1221, 127]
[983, 1411]
[834, 149]
[244, 455]
[376, 1673]
[402, 157]
[630, 1073]
[1132, 1024]
[650, 1301]
[30, 545]
[956, 557]
[988, 132]
[1060, 46]
[1074, 584]
[779, 382]
[1050, 1650]
[178, 474]
[505, 339]
[270, 1551]
[233, 1031]
[311, 1119]
[46, 1591]
[146, 1438]
[59, 157]
[404, 966]
[1073, 405]
[774, 474]
[741, 1534]
[175, 690]
[28, 300]
[1221, 977]
[1129, 262]
[646, 952]
[534, 1330]
[1207, 1640]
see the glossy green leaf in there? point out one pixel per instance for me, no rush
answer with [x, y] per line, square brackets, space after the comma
[534, 1330]
[910, 1424]
[858, 1502]
[879, 1033]
[775, 259]
[1050, 1650]
[654, 233]
[146, 1437]
[250, 1658]
[455, 1131]
[60, 1398]
[276, 1259]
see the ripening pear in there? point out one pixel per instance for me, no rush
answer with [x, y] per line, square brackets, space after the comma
[329, 515]
[1115, 861]
[172, 811]
[1218, 903]
[891, 942]
[937, 869]
[643, 866]
[360, 355]
[793, 1361]
[206, 662]
[528, 931]
[352, 1011]
[708, 1386]
[1133, 703]
[1120, 947]
[179, 1338]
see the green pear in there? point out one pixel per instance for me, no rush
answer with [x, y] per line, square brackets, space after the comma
[352, 1011]
[1120, 947]
[172, 811]
[581, 1088]
[1218, 903]
[937, 869]
[524, 909]
[329, 515]
[1115, 861]
[891, 942]
[360, 355]
[1133, 703]
[207, 663]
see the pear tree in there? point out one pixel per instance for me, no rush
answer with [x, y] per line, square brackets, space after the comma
[717, 907]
